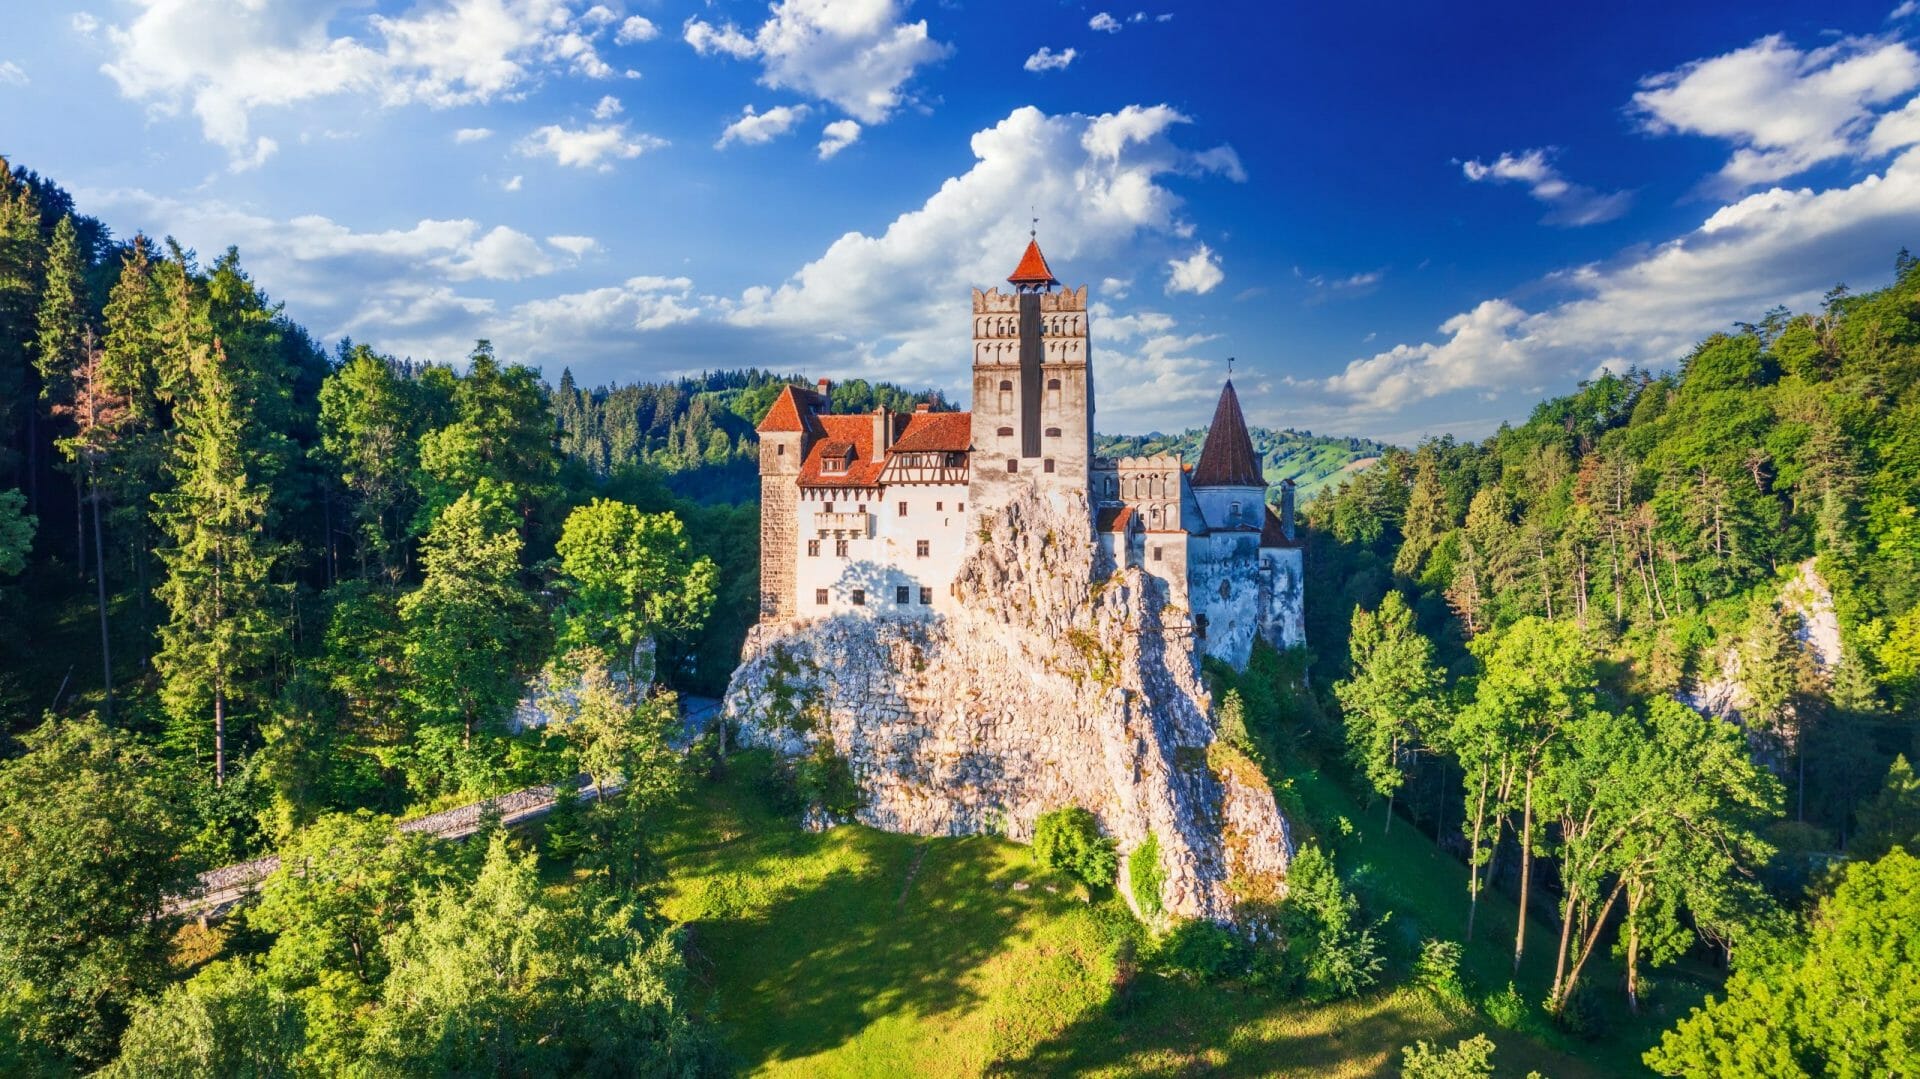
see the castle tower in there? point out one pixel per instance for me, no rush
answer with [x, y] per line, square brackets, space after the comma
[1032, 386]
[788, 432]
[1228, 482]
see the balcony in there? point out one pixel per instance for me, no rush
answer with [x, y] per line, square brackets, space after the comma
[852, 524]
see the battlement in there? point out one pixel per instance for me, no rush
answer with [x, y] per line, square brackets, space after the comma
[994, 302]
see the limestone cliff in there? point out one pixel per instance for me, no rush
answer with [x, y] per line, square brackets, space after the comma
[1037, 688]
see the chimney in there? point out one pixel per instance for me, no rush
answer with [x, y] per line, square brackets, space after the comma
[882, 430]
[825, 385]
[1286, 509]
[924, 406]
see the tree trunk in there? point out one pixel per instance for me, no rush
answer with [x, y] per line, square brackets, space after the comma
[1526, 869]
[1566, 937]
[100, 588]
[1586, 949]
[219, 738]
[1473, 852]
[1634, 897]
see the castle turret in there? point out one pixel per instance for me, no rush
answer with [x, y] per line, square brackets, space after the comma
[1032, 385]
[1228, 482]
[786, 435]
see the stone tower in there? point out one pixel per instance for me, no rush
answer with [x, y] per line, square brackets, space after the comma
[1032, 386]
[1228, 481]
[786, 435]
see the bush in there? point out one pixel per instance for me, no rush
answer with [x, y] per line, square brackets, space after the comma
[1508, 1010]
[1200, 950]
[1438, 968]
[1328, 951]
[1583, 1014]
[825, 781]
[1470, 1059]
[1144, 875]
[1069, 840]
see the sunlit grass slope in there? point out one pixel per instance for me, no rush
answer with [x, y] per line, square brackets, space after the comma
[857, 952]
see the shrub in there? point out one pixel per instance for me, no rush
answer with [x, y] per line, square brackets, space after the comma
[825, 781]
[1508, 1010]
[1470, 1059]
[1583, 1014]
[1144, 875]
[1438, 968]
[1200, 950]
[1331, 954]
[1069, 839]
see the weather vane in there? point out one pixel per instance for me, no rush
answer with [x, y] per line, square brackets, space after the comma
[1034, 232]
[1229, 366]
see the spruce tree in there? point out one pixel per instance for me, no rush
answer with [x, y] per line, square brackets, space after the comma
[21, 251]
[218, 589]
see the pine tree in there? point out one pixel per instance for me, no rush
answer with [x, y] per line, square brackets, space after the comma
[98, 415]
[60, 340]
[218, 588]
[21, 251]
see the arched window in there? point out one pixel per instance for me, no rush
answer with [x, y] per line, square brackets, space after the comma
[1053, 384]
[1153, 518]
[1233, 518]
[1005, 385]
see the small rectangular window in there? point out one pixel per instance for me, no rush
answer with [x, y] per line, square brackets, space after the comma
[829, 508]
[1156, 554]
[938, 506]
[922, 548]
[813, 548]
[859, 597]
[903, 509]
[926, 595]
[820, 596]
[1012, 465]
[900, 593]
[1048, 466]
[840, 548]
[961, 508]
[780, 449]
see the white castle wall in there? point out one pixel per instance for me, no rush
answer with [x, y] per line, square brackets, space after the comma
[882, 549]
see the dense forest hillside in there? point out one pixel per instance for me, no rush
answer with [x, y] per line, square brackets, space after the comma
[1313, 462]
[1509, 625]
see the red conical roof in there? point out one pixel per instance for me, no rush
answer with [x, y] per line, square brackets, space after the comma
[1227, 459]
[1033, 268]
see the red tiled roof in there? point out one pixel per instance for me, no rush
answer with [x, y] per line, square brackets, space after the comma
[936, 432]
[792, 412]
[1033, 269]
[1227, 459]
[843, 432]
[1116, 518]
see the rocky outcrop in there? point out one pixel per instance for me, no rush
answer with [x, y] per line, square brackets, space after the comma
[1816, 625]
[1036, 688]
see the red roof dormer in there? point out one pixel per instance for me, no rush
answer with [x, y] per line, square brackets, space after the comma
[1033, 271]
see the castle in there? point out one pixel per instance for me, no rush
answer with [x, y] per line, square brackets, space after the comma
[871, 514]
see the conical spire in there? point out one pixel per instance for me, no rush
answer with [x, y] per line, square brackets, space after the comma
[1227, 459]
[1033, 271]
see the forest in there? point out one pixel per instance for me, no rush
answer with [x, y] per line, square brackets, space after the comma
[263, 596]
[1523, 635]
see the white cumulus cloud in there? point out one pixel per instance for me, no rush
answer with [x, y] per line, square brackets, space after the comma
[1571, 204]
[577, 246]
[856, 55]
[1784, 110]
[607, 108]
[1105, 23]
[591, 147]
[837, 136]
[754, 128]
[227, 60]
[1198, 273]
[472, 134]
[635, 29]
[1048, 60]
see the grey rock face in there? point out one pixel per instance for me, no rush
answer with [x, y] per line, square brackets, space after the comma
[1043, 689]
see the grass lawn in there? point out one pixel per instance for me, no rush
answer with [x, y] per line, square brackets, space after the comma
[857, 952]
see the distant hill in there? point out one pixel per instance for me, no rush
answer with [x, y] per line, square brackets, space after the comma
[698, 432]
[1313, 462]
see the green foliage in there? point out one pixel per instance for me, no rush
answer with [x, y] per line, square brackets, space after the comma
[1469, 1059]
[825, 783]
[89, 849]
[1069, 839]
[1508, 1009]
[1200, 950]
[1330, 952]
[627, 577]
[227, 1020]
[1392, 702]
[16, 532]
[1145, 875]
[1438, 968]
[1847, 1004]
[1892, 819]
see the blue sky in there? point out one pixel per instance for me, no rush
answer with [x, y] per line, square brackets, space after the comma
[1401, 220]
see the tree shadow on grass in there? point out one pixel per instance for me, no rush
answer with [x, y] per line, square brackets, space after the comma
[808, 939]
